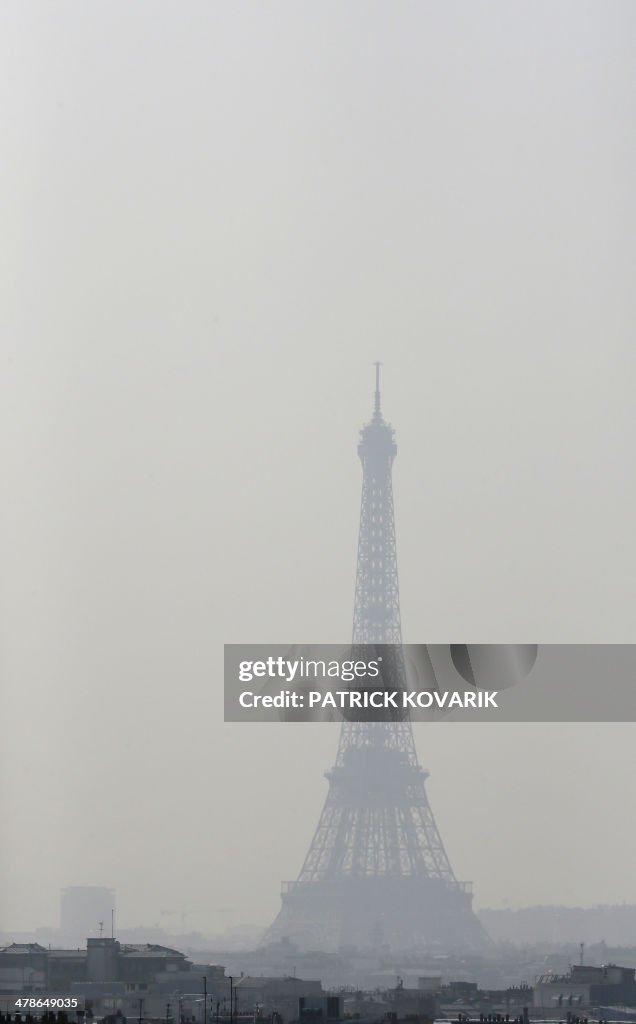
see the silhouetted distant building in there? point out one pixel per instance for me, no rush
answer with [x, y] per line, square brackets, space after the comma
[86, 910]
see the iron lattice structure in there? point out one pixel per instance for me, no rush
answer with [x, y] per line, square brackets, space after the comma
[377, 872]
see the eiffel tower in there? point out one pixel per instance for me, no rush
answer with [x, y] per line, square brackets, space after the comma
[377, 873]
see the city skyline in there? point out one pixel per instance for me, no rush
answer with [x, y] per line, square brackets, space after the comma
[213, 224]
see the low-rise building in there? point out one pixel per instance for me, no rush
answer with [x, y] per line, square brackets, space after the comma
[585, 986]
[266, 995]
[27, 967]
[23, 967]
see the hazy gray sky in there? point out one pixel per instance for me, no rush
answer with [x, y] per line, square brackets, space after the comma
[215, 217]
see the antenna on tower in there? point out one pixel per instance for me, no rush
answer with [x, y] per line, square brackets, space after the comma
[377, 387]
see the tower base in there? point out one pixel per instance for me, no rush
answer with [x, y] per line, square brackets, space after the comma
[402, 913]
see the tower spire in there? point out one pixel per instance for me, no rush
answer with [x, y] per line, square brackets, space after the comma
[377, 409]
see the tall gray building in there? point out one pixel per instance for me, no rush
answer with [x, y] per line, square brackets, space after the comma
[377, 872]
[86, 911]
